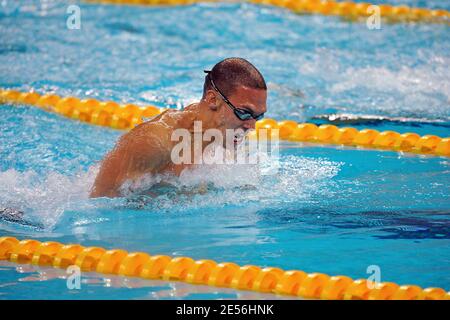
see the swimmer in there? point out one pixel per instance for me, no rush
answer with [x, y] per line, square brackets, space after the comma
[234, 97]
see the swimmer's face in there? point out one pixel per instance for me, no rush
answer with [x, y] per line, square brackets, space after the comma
[246, 99]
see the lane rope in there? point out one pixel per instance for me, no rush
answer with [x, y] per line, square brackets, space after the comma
[208, 272]
[345, 9]
[127, 116]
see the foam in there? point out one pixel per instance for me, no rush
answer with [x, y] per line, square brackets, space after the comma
[212, 186]
[46, 198]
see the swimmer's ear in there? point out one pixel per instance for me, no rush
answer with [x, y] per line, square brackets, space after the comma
[212, 101]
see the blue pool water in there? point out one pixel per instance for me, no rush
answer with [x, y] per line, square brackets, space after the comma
[331, 210]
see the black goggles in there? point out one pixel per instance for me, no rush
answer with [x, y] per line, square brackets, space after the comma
[240, 113]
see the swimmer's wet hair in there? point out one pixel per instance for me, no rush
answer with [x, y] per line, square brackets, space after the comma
[231, 73]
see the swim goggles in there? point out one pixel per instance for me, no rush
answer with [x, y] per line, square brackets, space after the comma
[240, 113]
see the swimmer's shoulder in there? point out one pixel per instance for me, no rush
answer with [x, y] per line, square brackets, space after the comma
[155, 124]
[158, 130]
[168, 120]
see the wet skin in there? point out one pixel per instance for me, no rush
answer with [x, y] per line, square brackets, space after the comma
[146, 149]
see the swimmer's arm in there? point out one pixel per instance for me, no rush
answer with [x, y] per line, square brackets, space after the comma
[137, 152]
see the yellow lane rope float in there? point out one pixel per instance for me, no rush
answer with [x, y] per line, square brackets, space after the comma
[124, 117]
[208, 272]
[346, 9]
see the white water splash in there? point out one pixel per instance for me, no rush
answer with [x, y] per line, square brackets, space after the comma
[215, 186]
[44, 198]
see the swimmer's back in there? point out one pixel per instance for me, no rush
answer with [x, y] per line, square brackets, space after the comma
[144, 149]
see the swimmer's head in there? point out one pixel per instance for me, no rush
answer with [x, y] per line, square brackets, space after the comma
[235, 95]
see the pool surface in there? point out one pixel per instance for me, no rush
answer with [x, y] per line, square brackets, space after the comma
[332, 210]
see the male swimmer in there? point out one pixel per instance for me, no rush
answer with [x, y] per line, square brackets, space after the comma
[234, 98]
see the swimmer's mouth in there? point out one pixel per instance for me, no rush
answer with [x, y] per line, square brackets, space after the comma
[238, 138]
